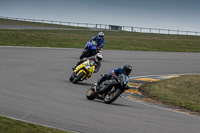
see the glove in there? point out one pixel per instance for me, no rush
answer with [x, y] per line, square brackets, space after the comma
[113, 74]
[99, 50]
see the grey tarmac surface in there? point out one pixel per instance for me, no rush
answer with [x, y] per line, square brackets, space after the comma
[35, 87]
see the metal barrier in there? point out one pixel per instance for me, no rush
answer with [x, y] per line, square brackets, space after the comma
[108, 27]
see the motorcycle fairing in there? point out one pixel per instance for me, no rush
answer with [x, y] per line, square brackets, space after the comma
[87, 67]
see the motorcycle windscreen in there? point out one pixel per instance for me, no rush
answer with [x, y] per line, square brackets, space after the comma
[123, 79]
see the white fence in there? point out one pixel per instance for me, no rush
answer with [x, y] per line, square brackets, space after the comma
[107, 27]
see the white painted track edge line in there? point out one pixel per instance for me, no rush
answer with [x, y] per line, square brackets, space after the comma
[38, 124]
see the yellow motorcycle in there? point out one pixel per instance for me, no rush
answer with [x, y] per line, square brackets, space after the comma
[83, 71]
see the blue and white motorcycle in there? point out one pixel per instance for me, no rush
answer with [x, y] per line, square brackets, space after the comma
[91, 49]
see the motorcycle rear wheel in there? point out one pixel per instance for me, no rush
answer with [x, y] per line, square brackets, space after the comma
[90, 94]
[84, 54]
[112, 96]
[76, 79]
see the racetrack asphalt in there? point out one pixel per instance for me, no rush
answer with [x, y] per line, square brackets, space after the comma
[35, 87]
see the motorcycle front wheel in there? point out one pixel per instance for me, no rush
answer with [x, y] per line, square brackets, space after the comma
[77, 78]
[72, 76]
[90, 94]
[112, 95]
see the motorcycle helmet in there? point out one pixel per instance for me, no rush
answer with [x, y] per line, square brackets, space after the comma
[98, 57]
[127, 69]
[100, 35]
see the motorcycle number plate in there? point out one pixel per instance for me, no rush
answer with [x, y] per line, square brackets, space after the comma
[86, 64]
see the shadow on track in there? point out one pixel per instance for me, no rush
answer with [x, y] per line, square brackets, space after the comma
[112, 104]
[85, 84]
[79, 83]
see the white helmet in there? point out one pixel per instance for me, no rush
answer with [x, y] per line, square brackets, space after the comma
[101, 35]
[98, 57]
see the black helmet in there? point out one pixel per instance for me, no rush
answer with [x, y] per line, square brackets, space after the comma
[127, 69]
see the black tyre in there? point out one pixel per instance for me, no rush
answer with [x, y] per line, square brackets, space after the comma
[72, 76]
[84, 54]
[76, 79]
[90, 94]
[111, 96]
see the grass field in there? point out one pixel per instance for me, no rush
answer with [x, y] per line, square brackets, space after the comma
[8, 125]
[118, 40]
[183, 91]
[114, 40]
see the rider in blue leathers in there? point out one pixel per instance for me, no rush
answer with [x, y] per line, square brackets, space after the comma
[92, 48]
[99, 39]
[126, 69]
[89, 50]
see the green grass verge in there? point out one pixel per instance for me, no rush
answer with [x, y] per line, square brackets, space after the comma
[8, 125]
[118, 40]
[183, 91]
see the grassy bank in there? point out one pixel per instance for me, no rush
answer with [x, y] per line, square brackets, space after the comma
[114, 40]
[183, 91]
[119, 40]
[8, 125]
